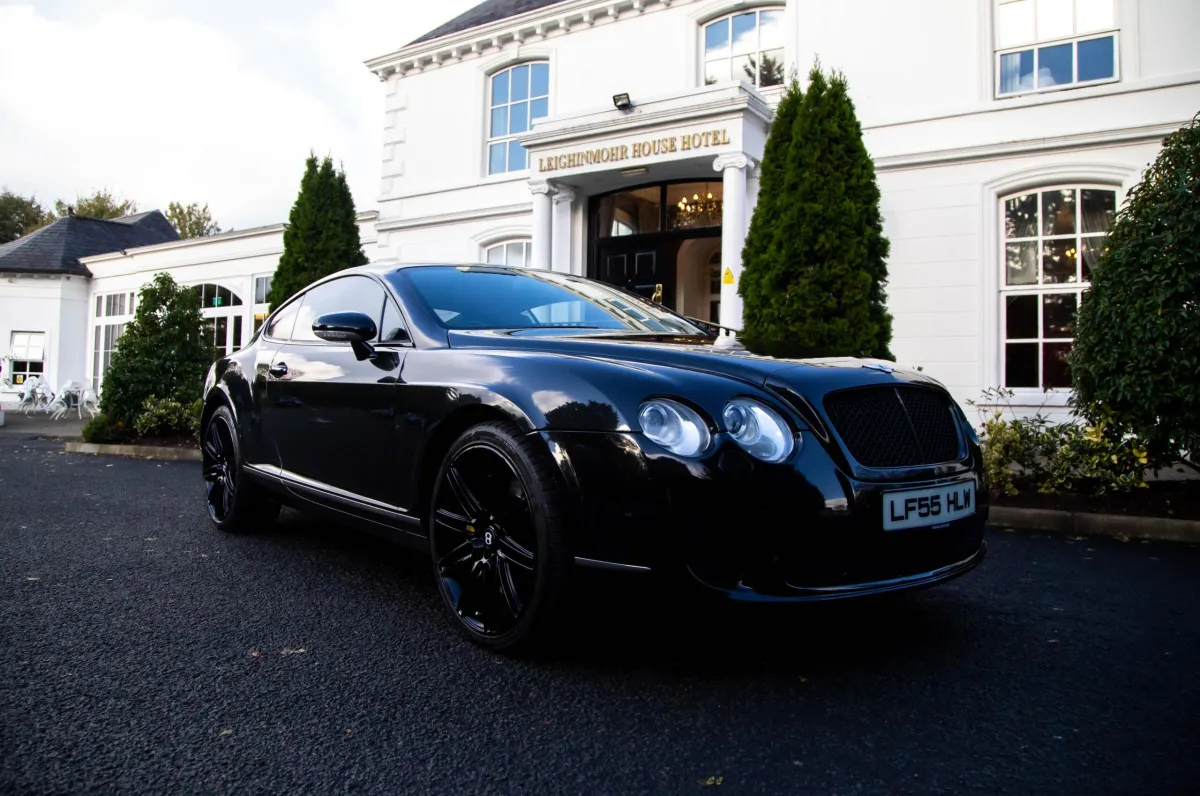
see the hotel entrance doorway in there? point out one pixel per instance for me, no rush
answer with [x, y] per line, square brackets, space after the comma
[662, 242]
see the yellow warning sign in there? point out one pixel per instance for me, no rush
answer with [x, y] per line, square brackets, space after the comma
[728, 277]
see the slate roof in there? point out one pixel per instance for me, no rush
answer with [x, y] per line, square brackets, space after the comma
[56, 248]
[482, 14]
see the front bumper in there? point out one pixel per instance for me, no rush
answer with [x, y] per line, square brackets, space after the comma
[801, 531]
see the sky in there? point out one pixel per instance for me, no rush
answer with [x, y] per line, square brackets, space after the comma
[209, 101]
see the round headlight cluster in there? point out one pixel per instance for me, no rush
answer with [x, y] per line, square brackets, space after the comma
[674, 426]
[759, 430]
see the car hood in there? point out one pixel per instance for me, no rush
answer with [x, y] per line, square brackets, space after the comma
[810, 377]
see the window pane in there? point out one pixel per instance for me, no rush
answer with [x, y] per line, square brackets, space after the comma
[1058, 212]
[1099, 210]
[1021, 318]
[538, 108]
[1058, 262]
[515, 254]
[745, 39]
[1054, 65]
[1058, 315]
[716, 72]
[495, 255]
[1096, 59]
[281, 325]
[237, 332]
[1054, 19]
[99, 306]
[630, 212]
[1020, 263]
[1020, 216]
[518, 118]
[1055, 372]
[770, 70]
[694, 204]
[496, 158]
[1014, 24]
[516, 156]
[1093, 15]
[499, 122]
[745, 68]
[392, 329]
[770, 30]
[500, 88]
[1016, 72]
[716, 40]
[1090, 250]
[348, 294]
[520, 83]
[539, 80]
[1021, 365]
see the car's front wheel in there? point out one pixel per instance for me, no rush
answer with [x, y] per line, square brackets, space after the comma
[234, 504]
[498, 536]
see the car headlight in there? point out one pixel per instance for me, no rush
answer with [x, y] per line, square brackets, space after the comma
[674, 426]
[759, 430]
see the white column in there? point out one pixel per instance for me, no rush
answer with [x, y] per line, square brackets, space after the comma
[734, 220]
[560, 260]
[543, 194]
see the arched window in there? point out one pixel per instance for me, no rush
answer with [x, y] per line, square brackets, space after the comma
[516, 97]
[221, 320]
[1052, 237]
[509, 252]
[746, 46]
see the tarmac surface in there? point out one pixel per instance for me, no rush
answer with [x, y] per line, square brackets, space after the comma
[142, 651]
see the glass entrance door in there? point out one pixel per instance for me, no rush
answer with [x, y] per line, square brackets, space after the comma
[639, 269]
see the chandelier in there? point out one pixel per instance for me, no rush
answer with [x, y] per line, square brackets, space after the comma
[699, 210]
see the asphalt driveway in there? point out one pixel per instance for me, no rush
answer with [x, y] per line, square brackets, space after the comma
[142, 651]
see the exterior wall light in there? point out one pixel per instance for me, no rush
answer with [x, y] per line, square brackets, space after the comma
[622, 102]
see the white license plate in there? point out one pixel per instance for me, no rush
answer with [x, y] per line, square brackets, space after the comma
[935, 505]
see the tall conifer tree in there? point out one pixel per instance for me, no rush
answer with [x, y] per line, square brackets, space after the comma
[815, 256]
[322, 233]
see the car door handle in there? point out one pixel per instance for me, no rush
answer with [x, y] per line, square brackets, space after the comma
[278, 370]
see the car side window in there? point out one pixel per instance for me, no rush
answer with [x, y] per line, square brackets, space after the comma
[392, 330]
[348, 294]
[281, 325]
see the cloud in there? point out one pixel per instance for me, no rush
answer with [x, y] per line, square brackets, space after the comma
[160, 103]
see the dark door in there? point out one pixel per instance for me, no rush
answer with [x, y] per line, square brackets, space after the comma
[638, 268]
[336, 414]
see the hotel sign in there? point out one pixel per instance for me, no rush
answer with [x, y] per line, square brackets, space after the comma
[634, 151]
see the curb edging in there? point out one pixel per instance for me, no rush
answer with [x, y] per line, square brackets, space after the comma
[1082, 523]
[136, 451]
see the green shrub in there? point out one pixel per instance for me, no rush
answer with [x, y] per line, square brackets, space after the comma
[1023, 453]
[1136, 363]
[165, 417]
[103, 430]
[815, 256]
[163, 353]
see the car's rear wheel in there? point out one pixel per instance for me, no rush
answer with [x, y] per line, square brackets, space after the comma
[498, 536]
[234, 503]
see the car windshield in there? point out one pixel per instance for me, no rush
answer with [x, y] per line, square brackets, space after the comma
[495, 297]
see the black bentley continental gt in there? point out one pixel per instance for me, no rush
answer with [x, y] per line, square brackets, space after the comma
[515, 424]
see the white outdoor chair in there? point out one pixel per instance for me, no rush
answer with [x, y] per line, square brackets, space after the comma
[58, 406]
[36, 396]
[89, 402]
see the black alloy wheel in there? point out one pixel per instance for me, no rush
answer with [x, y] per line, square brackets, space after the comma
[233, 502]
[496, 536]
[220, 469]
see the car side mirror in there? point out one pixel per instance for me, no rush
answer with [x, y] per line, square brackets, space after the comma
[354, 328]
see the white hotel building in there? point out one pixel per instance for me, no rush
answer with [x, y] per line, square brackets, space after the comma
[1004, 133]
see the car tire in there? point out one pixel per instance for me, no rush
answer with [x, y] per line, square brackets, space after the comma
[234, 503]
[520, 517]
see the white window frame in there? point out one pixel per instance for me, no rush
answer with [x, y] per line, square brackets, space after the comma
[20, 352]
[502, 245]
[758, 51]
[509, 136]
[111, 313]
[1077, 288]
[233, 313]
[260, 309]
[1038, 43]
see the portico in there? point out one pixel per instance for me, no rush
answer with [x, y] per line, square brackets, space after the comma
[637, 180]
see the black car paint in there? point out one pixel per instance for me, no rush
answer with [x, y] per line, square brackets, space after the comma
[359, 437]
